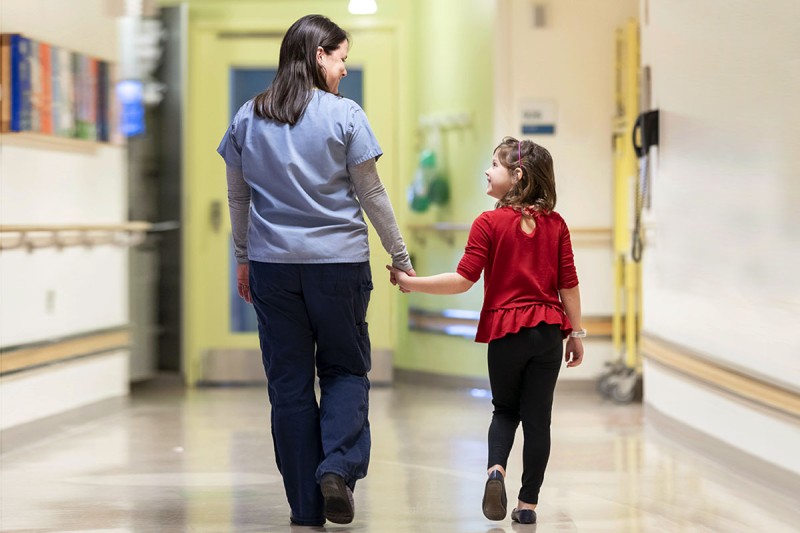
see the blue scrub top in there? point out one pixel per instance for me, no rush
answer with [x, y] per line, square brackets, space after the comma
[303, 208]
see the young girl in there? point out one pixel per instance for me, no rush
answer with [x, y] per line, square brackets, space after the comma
[531, 302]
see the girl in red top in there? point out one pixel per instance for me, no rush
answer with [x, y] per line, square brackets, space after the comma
[531, 302]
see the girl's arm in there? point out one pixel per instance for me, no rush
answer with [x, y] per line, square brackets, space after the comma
[447, 283]
[571, 298]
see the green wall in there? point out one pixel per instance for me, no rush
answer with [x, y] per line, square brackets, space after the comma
[453, 73]
[444, 59]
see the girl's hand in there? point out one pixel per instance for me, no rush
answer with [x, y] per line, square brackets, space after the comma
[573, 354]
[397, 276]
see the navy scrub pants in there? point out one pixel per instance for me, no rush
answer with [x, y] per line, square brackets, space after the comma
[313, 317]
[523, 370]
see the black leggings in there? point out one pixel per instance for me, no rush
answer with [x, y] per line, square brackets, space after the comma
[523, 369]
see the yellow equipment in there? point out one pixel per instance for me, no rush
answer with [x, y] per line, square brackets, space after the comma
[622, 380]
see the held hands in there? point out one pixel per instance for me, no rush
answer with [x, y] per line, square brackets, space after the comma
[573, 354]
[243, 281]
[397, 276]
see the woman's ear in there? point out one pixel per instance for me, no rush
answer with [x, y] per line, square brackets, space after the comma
[320, 54]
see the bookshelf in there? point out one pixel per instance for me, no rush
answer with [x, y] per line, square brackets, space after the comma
[54, 93]
[26, 139]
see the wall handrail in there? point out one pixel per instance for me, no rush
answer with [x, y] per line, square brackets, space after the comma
[735, 381]
[447, 231]
[464, 322]
[37, 354]
[34, 236]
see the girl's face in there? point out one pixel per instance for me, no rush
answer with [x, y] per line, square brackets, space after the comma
[500, 179]
[333, 65]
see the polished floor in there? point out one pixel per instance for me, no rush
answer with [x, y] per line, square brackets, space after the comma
[201, 461]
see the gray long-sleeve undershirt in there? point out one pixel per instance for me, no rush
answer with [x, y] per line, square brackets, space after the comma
[371, 195]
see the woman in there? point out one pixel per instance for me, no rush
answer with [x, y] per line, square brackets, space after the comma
[300, 166]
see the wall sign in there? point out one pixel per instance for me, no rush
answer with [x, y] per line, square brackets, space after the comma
[538, 117]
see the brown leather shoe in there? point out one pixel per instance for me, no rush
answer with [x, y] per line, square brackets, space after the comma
[494, 497]
[339, 505]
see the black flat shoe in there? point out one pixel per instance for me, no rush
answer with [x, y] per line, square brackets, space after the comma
[524, 516]
[494, 497]
[339, 507]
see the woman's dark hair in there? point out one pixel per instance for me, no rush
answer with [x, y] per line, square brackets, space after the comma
[537, 185]
[286, 99]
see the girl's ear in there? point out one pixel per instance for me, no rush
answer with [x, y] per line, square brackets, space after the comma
[517, 174]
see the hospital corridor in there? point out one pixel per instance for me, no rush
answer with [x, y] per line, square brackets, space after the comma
[309, 265]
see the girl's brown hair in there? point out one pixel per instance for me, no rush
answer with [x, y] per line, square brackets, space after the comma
[536, 187]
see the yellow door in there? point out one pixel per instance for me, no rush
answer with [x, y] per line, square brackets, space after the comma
[219, 345]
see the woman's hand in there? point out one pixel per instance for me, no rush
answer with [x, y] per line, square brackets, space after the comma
[243, 281]
[573, 354]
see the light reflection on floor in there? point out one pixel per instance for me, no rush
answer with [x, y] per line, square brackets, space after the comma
[201, 460]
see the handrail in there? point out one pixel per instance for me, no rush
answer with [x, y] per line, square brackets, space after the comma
[464, 322]
[33, 236]
[51, 351]
[446, 230]
[721, 376]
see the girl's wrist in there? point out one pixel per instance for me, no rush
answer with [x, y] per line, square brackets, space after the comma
[577, 333]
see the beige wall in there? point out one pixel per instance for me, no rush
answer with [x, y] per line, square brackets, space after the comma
[570, 61]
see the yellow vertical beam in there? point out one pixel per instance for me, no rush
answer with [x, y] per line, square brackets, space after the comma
[631, 112]
[626, 320]
[620, 196]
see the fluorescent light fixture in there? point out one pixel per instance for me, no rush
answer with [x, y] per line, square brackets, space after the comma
[362, 7]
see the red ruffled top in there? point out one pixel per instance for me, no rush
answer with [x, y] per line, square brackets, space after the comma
[522, 273]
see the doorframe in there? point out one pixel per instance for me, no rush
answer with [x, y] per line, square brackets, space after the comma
[387, 307]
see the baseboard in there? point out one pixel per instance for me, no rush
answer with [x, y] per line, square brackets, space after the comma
[447, 381]
[44, 428]
[39, 393]
[244, 367]
[731, 462]
[431, 379]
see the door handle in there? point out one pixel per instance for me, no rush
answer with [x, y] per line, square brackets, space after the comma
[215, 215]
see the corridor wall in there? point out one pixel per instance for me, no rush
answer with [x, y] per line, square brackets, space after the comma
[720, 283]
[563, 56]
[50, 294]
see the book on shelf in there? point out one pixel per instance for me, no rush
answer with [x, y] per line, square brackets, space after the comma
[20, 83]
[46, 94]
[5, 82]
[102, 101]
[50, 90]
[66, 104]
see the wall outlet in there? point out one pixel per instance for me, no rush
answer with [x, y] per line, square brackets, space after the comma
[50, 301]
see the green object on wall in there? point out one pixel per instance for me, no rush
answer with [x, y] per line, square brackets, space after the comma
[439, 190]
[430, 186]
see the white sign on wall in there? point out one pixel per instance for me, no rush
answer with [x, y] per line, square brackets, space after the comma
[538, 117]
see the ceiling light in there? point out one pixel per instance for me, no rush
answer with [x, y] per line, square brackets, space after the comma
[362, 7]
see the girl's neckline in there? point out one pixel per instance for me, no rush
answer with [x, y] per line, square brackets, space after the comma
[528, 210]
[527, 222]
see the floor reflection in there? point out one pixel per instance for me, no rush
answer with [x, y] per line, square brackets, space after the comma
[201, 460]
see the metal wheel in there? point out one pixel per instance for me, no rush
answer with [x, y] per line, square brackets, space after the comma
[625, 388]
